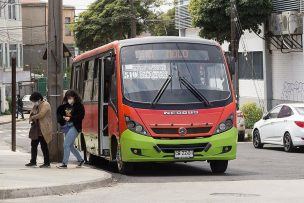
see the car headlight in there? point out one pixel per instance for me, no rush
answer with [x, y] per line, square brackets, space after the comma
[226, 125]
[135, 127]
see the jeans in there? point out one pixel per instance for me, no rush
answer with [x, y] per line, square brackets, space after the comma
[69, 140]
[44, 149]
[19, 111]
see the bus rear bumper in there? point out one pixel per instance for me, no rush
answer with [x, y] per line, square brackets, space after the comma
[140, 148]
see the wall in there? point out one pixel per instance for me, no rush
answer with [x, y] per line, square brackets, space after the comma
[288, 80]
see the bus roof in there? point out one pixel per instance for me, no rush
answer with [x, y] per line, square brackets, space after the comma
[149, 40]
[143, 40]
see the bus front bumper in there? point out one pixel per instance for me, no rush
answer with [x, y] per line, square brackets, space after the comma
[140, 148]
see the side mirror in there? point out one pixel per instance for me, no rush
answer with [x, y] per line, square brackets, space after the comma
[231, 64]
[266, 116]
[109, 63]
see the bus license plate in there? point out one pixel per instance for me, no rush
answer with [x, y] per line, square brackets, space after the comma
[183, 154]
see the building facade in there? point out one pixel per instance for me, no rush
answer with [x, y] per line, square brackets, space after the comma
[35, 16]
[11, 44]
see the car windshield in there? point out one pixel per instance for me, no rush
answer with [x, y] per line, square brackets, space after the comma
[197, 73]
[300, 110]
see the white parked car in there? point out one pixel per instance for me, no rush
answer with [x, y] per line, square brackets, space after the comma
[240, 125]
[283, 125]
[27, 104]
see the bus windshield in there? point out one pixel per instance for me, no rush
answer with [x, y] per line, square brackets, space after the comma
[174, 73]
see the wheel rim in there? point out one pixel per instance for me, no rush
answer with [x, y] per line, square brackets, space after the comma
[118, 158]
[287, 142]
[256, 140]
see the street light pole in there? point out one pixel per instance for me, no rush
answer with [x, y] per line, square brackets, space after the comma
[234, 48]
[55, 73]
[133, 20]
[13, 60]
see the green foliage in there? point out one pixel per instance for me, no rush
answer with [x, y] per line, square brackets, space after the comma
[165, 25]
[109, 20]
[213, 16]
[252, 114]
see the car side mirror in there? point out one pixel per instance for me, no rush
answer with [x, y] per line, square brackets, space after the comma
[265, 117]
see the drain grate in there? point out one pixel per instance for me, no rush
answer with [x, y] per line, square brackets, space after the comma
[235, 194]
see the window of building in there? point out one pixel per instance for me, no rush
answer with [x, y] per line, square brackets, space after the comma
[12, 9]
[1, 56]
[67, 22]
[1, 6]
[251, 65]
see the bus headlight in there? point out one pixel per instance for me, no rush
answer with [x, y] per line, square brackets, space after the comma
[226, 125]
[135, 127]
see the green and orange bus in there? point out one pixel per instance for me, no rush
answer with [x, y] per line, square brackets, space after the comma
[157, 99]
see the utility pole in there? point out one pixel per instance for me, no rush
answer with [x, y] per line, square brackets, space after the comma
[55, 73]
[13, 62]
[133, 20]
[234, 49]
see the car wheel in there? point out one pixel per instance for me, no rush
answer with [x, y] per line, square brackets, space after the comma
[288, 144]
[125, 168]
[256, 140]
[218, 166]
[241, 136]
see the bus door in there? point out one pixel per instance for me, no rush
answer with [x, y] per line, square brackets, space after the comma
[104, 93]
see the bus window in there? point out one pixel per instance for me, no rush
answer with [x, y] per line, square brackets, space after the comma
[96, 80]
[88, 83]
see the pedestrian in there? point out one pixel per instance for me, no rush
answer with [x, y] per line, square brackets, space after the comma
[41, 129]
[19, 107]
[70, 115]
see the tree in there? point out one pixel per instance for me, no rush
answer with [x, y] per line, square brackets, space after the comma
[213, 16]
[164, 25]
[109, 20]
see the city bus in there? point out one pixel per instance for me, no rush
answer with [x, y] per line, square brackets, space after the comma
[157, 99]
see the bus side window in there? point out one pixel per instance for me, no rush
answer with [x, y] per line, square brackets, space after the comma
[96, 80]
[88, 81]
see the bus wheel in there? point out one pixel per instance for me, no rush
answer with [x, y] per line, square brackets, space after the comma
[125, 168]
[218, 166]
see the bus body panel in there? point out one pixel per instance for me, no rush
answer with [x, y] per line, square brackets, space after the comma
[130, 140]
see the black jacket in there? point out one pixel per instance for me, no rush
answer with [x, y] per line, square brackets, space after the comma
[78, 114]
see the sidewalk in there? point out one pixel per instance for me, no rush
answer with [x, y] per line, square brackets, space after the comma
[8, 119]
[18, 181]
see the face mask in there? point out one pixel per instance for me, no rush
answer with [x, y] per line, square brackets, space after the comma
[35, 103]
[71, 101]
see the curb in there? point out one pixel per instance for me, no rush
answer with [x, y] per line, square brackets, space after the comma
[55, 190]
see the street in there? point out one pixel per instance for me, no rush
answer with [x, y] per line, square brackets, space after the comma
[249, 177]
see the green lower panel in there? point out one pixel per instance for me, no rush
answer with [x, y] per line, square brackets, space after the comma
[150, 152]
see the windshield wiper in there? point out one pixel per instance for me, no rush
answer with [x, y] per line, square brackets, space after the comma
[194, 91]
[162, 90]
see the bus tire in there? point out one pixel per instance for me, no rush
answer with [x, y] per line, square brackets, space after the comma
[125, 168]
[219, 166]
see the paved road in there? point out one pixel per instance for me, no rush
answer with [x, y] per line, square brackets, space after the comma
[270, 163]
[257, 175]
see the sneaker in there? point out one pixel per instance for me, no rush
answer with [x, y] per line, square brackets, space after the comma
[80, 164]
[45, 166]
[63, 166]
[30, 164]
